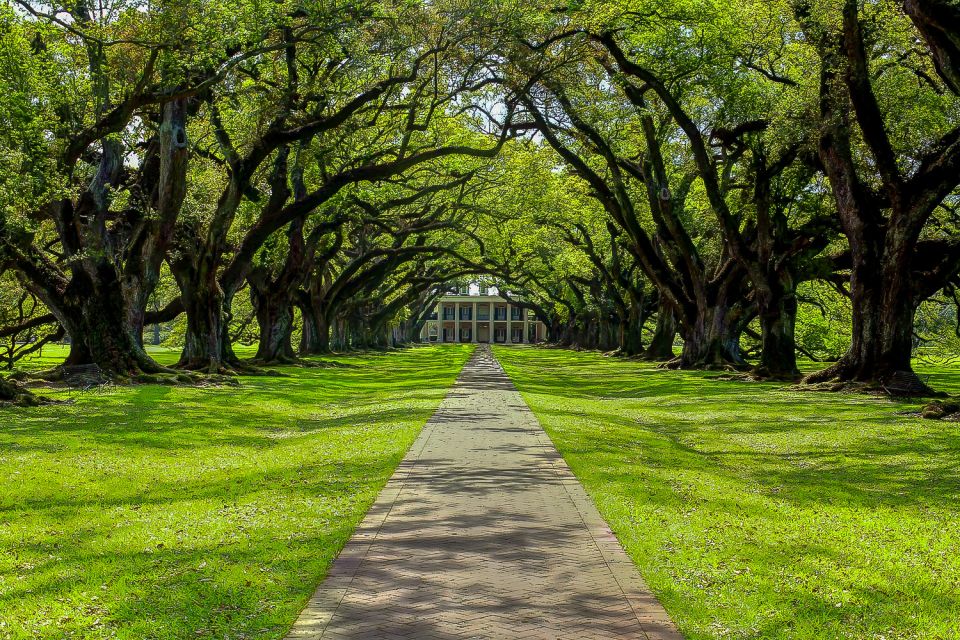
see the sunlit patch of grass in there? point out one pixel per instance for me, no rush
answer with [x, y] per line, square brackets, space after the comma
[758, 512]
[178, 512]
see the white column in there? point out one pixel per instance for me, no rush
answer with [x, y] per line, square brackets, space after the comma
[490, 323]
[509, 323]
[473, 316]
[456, 320]
[526, 325]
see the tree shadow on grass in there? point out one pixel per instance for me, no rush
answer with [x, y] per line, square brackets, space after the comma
[699, 475]
[187, 513]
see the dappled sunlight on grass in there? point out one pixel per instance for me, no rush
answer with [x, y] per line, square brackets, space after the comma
[178, 512]
[758, 512]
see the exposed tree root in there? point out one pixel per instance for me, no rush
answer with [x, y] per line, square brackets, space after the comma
[299, 362]
[948, 410]
[675, 363]
[231, 368]
[276, 361]
[678, 363]
[762, 374]
[163, 376]
[841, 376]
[647, 356]
[210, 367]
[838, 386]
[14, 395]
[758, 375]
[633, 357]
[834, 373]
[191, 379]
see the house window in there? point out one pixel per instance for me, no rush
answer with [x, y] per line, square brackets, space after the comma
[466, 313]
[516, 335]
[515, 313]
[448, 313]
[465, 334]
[483, 312]
[500, 313]
[500, 334]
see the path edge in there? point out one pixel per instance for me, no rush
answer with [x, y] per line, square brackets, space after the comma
[316, 614]
[653, 617]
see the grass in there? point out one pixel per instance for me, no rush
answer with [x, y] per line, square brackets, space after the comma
[757, 512]
[176, 512]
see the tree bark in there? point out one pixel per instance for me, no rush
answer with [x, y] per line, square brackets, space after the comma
[100, 335]
[165, 180]
[713, 340]
[882, 333]
[206, 332]
[706, 348]
[778, 316]
[554, 331]
[315, 330]
[937, 21]
[99, 299]
[631, 332]
[275, 319]
[94, 313]
[661, 344]
[885, 288]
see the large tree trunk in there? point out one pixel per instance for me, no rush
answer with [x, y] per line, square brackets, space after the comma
[778, 315]
[315, 332]
[631, 342]
[206, 342]
[94, 314]
[661, 344]
[586, 331]
[631, 333]
[380, 337]
[166, 171]
[882, 236]
[882, 333]
[713, 342]
[338, 340]
[103, 307]
[99, 335]
[554, 331]
[358, 336]
[603, 334]
[275, 317]
[411, 330]
[568, 333]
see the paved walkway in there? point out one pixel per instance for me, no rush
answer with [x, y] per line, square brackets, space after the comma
[483, 532]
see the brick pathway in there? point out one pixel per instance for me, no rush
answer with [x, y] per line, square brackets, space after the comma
[483, 532]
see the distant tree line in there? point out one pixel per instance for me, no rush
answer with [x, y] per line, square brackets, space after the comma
[633, 172]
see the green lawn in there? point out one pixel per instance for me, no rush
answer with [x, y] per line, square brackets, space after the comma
[174, 512]
[756, 512]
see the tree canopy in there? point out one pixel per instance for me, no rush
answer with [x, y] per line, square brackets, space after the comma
[311, 175]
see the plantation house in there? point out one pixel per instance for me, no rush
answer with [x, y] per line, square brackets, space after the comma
[475, 314]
